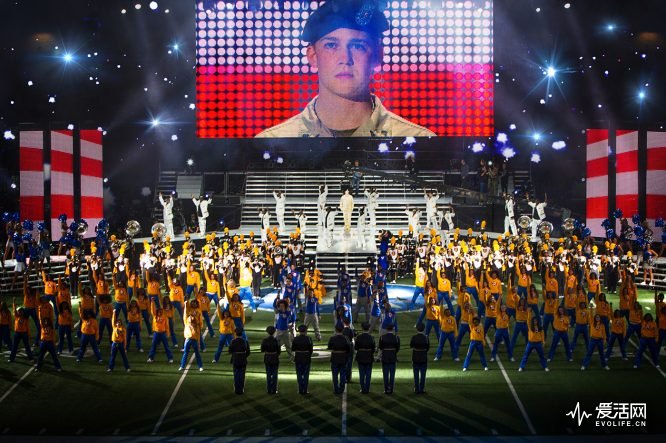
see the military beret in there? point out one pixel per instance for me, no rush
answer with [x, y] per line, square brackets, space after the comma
[362, 15]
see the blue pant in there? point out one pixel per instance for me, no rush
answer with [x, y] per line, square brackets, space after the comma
[432, 324]
[54, 302]
[388, 371]
[631, 330]
[521, 291]
[32, 313]
[206, 317]
[245, 293]
[447, 299]
[302, 377]
[606, 323]
[104, 323]
[134, 328]
[339, 373]
[65, 331]
[115, 349]
[5, 337]
[160, 337]
[520, 328]
[155, 299]
[238, 324]
[44, 347]
[547, 321]
[572, 316]
[146, 320]
[271, 378]
[122, 307]
[475, 345]
[502, 335]
[490, 321]
[651, 345]
[85, 341]
[533, 346]
[475, 295]
[620, 339]
[364, 375]
[172, 332]
[194, 346]
[598, 344]
[419, 376]
[557, 336]
[581, 330]
[417, 291]
[462, 330]
[178, 307]
[511, 312]
[443, 338]
[225, 340]
[212, 296]
[18, 338]
[590, 296]
[189, 289]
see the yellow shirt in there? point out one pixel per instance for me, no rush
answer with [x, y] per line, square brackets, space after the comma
[561, 324]
[648, 329]
[618, 326]
[535, 337]
[476, 333]
[448, 324]
[598, 331]
[502, 321]
[227, 325]
[443, 284]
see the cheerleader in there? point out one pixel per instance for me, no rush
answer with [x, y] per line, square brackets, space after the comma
[65, 327]
[534, 343]
[105, 316]
[520, 327]
[30, 305]
[635, 322]
[449, 332]
[5, 325]
[582, 325]
[549, 307]
[118, 342]
[90, 335]
[649, 256]
[444, 289]
[618, 332]
[561, 324]
[21, 333]
[144, 304]
[47, 344]
[169, 312]
[502, 334]
[192, 333]
[134, 324]
[648, 341]
[120, 295]
[227, 327]
[160, 333]
[237, 311]
[464, 325]
[597, 341]
[660, 308]
[603, 309]
[477, 335]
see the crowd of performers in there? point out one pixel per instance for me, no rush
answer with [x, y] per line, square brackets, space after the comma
[469, 285]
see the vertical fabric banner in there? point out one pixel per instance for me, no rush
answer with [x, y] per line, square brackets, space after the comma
[62, 178]
[92, 193]
[31, 175]
[597, 180]
[656, 180]
[626, 173]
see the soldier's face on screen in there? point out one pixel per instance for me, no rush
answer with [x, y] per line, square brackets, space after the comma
[345, 59]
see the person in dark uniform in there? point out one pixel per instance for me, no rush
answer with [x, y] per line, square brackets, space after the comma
[348, 332]
[389, 345]
[239, 350]
[420, 346]
[302, 348]
[365, 350]
[340, 348]
[271, 349]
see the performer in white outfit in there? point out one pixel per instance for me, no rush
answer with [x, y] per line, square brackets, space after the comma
[347, 207]
[361, 224]
[265, 218]
[167, 214]
[329, 225]
[321, 205]
[509, 219]
[302, 221]
[538, 214]
[373, 203]
[202, 211]
[280, 202]
[448, 217]
[431, 198]
[413, 220]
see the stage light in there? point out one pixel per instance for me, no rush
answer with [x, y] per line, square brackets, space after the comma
[106, 180]
[559, 145]
[190, 162]
[153, 5]
[68, 57]
[535, 158]
[279, 160]
[174, 138]
[155, 122]
[567, 5]
[13, 186]
[550, 71]
[641, 95]
[508, 152]
[536, 136]
[70, 127]
[610, 27]
[267, 155]
[137, 6]
[478, 147]
[512, 127]
[502, 138]
[383, 147]
[176, 46]
[9, 135]
[409, 141]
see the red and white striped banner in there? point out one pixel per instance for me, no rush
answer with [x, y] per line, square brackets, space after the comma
[92, 193]
[656, 179]
[597, 180]
[62, 178]
[626, 173]
[31, 175]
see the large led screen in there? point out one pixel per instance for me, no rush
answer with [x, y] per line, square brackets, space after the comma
[435, 70]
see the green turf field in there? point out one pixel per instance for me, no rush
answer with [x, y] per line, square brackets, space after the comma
[85, 400]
